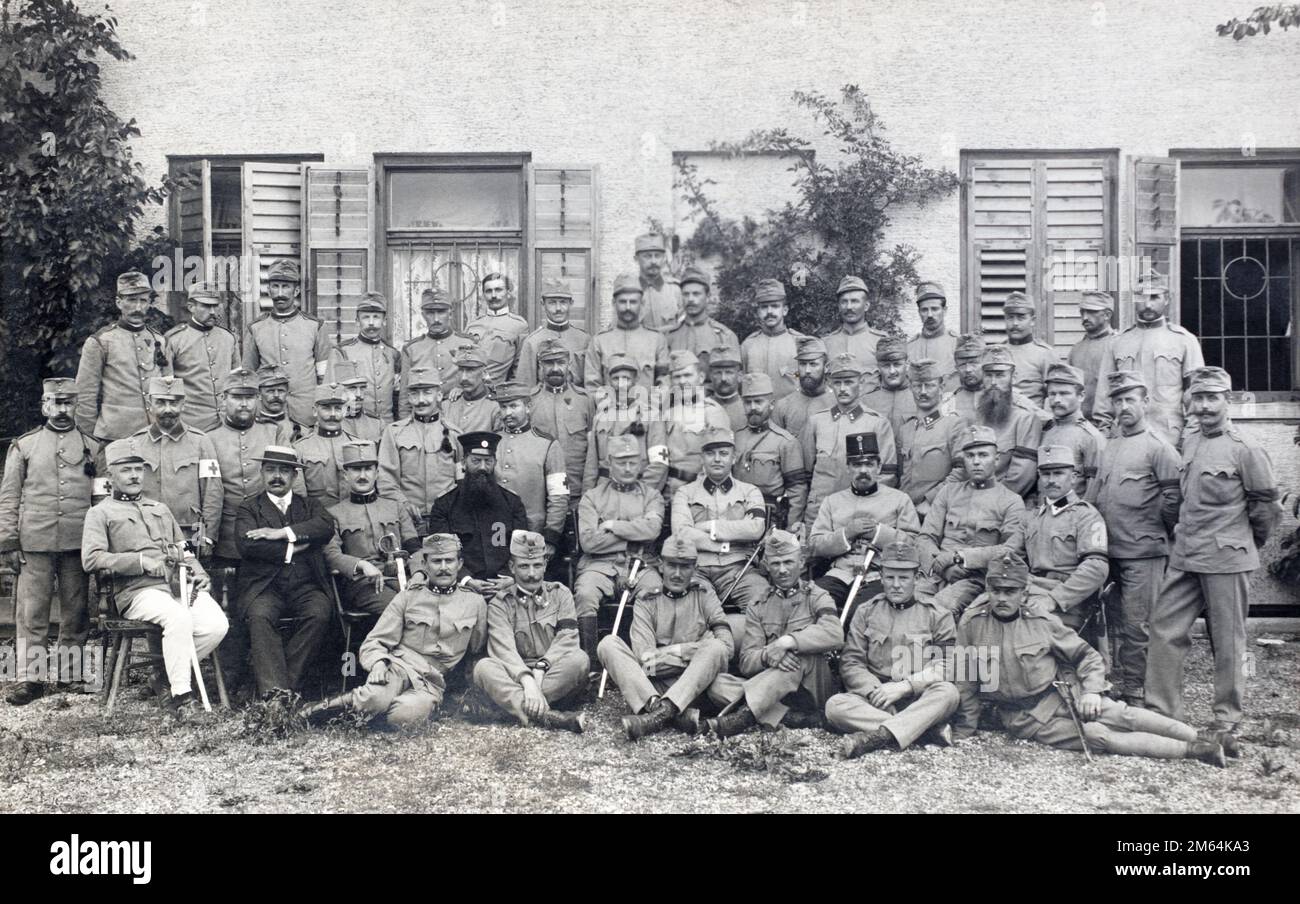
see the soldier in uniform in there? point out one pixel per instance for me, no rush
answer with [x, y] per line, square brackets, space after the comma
[823, 440]
[968, 361]
[1137, 492]
[137, 541]
[181, 469]
[681, 644]
[893, 397]
[1012, 417]
[770, 457]
[661, 295]
[688, 416]
[117, 363]
[470, 408]
[362, 520]
[1069, 427]
[1035, 651]
[793, 411]
[866, 516]
[437, 350]
[563, 410]
[936, 341]
[1095, 310]
[619, 520]
[416, 462]
[1031, 355]
[557, 302]
[771, 349]
[698, 332]
[356, 420]
[928, 439]
[377, 361]
[854, 335]
[423, 635]
[531, 465]
[645, 347]
[1065, 543]
[1165, 354]
[1229, 510]
[722, 383]
[291, 338]
[273, 405]
[500, 331]
[623, 409]
[533, 659]
[897, 685]
[783, 664]
[321, 450]
[969, 524]
[200, 353]
[49, 479]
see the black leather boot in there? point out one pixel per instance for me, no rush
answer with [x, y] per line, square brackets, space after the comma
[861, 742]
[562, 721]
[1207, 752]
[1231, 745]
[802, 718]
[656, 717]
[587, 637]
[688, 720]
[733, 723]
[26, 692]
[322, 712]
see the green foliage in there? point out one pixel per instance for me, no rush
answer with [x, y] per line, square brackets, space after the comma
[70, 193]
[1284, 15]
[835, 229]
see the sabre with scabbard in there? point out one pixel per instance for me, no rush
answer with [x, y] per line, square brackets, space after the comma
[748, 562]
[391, 548]
[187, 592]
[1063, 688]
[867, 559]
[618, 619]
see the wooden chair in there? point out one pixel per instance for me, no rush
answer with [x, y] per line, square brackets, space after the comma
[348, 618]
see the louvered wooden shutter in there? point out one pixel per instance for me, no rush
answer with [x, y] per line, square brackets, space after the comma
[340, 242]
[192, 224]
[271, 223]
[1074, 212]
[1000, 229]
[1155, 237]
[563, 231]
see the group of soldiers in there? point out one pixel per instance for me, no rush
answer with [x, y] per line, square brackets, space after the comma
[808, 530]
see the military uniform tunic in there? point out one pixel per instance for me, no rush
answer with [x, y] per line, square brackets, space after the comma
[661, 304]
[685, 426]
[982, 524]
[416, 465]
[300, 345]
[635, 418]
[725, 522]
[1089, 354]
[938, 348]
[201, 357]
[499, 337]
[1165, 355]
[616, 524]
[322, 474]
[861, 343]
[361, 522]
[575, 339]
[531, 465]
[823, 447]
[771, 459]
[1032, 357]
[566, 414]
[381, 365]
[929, 453]
[364, 426]
[773, 355]
[241, 477]
[117, 363]
[461, 415]
[1079, 434]
[897, 405]
[646, 347]
[1065, 544]
[890, 508]
[435, 353]
[181, 471]
[794, 411]
[701, 338]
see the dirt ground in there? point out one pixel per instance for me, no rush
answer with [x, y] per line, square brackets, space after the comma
[62, 755]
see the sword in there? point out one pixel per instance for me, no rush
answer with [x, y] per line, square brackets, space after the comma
[618, 619]
[178, 551]
[1063, 688]
[392, 549]
[862, 573]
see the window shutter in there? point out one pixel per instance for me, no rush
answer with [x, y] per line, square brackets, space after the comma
[1155, 220]
[1000, 229]
[563, 231]
[192, 224]
[271, 221]
[340, 243]
[1074, 214]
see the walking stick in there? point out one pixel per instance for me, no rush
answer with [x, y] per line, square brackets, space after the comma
[1063, 688]
[618, 619]
[862, 572]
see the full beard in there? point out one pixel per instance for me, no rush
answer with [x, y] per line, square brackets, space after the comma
[479, 486]
[994, 408]
[810, 385]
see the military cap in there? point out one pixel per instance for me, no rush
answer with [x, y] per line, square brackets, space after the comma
[483, 442]
[373, 301]
[329, 392]
[283, 270]
[809, 348]
[754, 385]
[929, 290]
[1210, 379]
[969, 347]
[627, 282]
[346, 374]
[718, 436]
[1008, 571]
[780, 543]
[271, 375]
[623, 446]
[1096, 301]
[509, 390]
[619, 361]
[845, 363]
[422, 378]
[682, 359]
[695, 275]
[1018, 302]
[1064, 373]
[556, 288]
[133, 282]
[724, 356]
[924, 369]
[850, 284]
[279, 455]
[240, 381]
[679, 549]
[860, 445]
[1051, 457]
[891, 348]
[1118, 381]
[997, 356]
[123, 452]
[358, 453]
[769, 290]
[1151, 284]
[471, 358]
[902, 554]
[551, 349]
[442, 545]
[59, 387]
[204, 292]
[434, 299]
[166, 388]
[526, 544]
[650, 242]
[978, 436]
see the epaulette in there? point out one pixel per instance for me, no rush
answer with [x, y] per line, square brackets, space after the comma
[306, 316]
[176, 329]
[189, 429]
[1234, 434]
[779, 430]
[544, 435]
[1044, 345]
[104, 329]
[265, 315]
[1177, 328]
[980, 606]
[409, 342]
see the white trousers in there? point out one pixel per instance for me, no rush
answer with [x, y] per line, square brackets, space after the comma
[199, 627]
